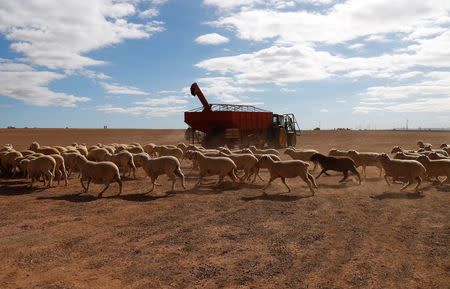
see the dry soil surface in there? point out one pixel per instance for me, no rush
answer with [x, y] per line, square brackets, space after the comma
[232, 236]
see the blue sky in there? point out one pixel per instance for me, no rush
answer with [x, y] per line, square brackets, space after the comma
[129, 63]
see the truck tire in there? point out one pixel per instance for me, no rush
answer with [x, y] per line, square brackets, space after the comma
[291, 139]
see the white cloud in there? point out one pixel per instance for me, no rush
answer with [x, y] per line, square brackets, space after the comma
[162, 101]
[285, 89]
[275, 4]
[324, 110]
[356, 46]
[343, 22]
[22, 82]
[149, 111]
[224, 89]
[58, 34]
[275, 64]
[432, 104]
[211, 38]
[341, 101]
[149, 13]
[115, 88]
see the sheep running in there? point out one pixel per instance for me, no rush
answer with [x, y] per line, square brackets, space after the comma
[409, 169]
[288, 169]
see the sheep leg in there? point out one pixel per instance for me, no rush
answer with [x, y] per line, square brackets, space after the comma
[104, 189]
[82, 184]
[200, 178]
[353, 170]
[181, 176]
[87, 185]
[407, 184]
[284, 182]
[153, 178]
[268, 184]
[419, 181]
[32, 181]
[119, 181]
[173, 179]
[220, 180]
[307, 179]
[312, 180]
[381, 171]
[323, 171]
[345, 176]
[386, 179]
[232, 175]
[58, 175]
[65, 179]
[364, 171]
[315, 166]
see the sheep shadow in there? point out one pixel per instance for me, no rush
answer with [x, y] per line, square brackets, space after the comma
[143, 197]
[275, 197]
[398, 195]
[19, 190]
[443, 188]
[212, 189]
[74, 198]
[332, 186]
[372, 179]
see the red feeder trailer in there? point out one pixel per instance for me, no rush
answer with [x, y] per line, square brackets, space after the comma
[243, 125]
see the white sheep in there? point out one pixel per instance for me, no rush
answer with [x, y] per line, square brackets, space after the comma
[150, 149]
[169, 151]
[288, 169]
[337, 153]
[70, 161]
[436, 168]
[124, 160]
[422, 145]
[98, 154]
[45, 150]
[167, 165]
[263, 151]
[140, 158]
[98, 173]
[8, 163]
[406, 156]
[222, 166]
[365, 159]
[245, 162]
[409, 169]
[397, 149]
[261, 166]
[437, 156]
[302, 155]
[41, 166]
[60, 168]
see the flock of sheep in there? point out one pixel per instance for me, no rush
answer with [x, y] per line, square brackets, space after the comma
[103, 164]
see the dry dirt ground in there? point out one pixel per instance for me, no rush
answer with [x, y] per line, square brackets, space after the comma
[346, 236]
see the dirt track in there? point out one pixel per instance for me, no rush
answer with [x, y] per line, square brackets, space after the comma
[346, 236]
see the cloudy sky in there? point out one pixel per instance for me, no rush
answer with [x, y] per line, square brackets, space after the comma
[129, 63]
